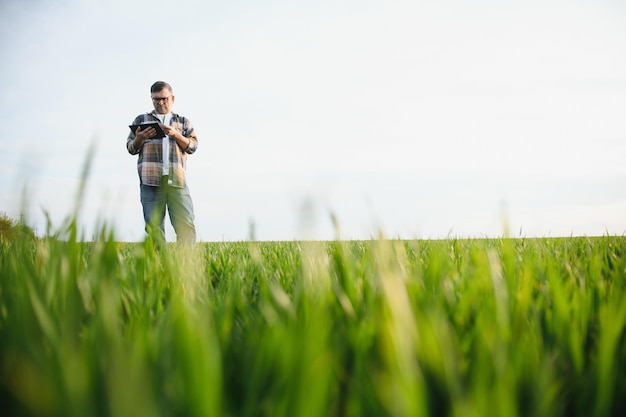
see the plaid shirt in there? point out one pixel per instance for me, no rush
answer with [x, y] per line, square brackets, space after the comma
[150, 161]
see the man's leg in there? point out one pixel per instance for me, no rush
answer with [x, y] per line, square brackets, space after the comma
[180, 208]
[153, 202]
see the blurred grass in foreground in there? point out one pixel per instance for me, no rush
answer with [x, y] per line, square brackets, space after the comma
[493, 327]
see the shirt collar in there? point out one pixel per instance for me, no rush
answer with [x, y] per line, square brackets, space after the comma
[154, 114]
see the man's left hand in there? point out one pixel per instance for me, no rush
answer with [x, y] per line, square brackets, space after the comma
[170, 131]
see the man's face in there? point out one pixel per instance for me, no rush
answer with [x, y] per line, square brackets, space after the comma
[163, 101]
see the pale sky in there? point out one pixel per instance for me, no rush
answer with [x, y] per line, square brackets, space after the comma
[420, 119]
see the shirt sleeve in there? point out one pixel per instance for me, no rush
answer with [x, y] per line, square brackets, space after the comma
[131, 137]
[190, 133]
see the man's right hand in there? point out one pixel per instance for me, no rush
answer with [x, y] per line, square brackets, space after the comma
[143, 135]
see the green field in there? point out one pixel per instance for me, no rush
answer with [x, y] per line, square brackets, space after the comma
[455, 327]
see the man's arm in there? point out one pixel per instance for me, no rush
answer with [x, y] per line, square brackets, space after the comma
[186, 137]
[135, 141]
[184, 142]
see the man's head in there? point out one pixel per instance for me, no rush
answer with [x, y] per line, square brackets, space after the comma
[162, 97]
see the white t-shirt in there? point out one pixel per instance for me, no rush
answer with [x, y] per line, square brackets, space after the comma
[166, 119]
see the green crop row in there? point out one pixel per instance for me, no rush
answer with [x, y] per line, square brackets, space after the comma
[455, 327]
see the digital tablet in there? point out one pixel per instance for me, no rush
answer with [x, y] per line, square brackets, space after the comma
[156, 125]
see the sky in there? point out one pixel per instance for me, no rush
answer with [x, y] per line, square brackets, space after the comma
[407, 119]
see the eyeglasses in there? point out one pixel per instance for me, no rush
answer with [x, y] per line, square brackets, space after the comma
[157, 99]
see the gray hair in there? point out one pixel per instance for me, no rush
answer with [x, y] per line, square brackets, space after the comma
[160, 85]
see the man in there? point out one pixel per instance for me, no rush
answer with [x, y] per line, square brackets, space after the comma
[161, 166]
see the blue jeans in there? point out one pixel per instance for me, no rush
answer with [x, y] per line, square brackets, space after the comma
[179, 205]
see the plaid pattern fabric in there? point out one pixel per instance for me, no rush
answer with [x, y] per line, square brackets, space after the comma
[150, 161]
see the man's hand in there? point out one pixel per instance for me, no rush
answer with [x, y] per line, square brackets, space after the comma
[170, 131]
[181, 140]
[142, 135]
